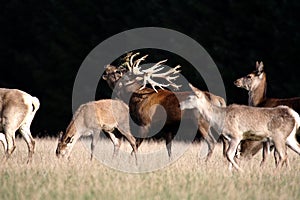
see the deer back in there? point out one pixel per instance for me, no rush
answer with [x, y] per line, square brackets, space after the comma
[258, 122]
[16, 108]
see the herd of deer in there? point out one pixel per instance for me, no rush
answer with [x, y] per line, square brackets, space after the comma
[264, 122]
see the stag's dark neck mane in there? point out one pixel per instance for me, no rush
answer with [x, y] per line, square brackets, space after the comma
[257, 95]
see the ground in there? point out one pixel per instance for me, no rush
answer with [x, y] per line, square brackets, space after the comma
[189, 177]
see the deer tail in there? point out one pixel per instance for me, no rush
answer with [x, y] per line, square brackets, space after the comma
[35, 103]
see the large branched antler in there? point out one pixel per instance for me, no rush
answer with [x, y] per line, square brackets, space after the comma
[147, 75]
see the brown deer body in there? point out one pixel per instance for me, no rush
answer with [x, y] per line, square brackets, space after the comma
[143, 105]
[237, 123]
[142, 112]
[109, 116]
[17, 110]
[256, 84]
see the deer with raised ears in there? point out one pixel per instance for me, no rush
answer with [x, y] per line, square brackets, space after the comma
[129, 80]
[109, 116]
[17, 110]
[256, 85]
[239, 122]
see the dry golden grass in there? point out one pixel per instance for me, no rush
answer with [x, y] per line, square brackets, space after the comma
[187, 178]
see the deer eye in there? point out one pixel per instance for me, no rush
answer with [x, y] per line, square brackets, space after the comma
[249, 76]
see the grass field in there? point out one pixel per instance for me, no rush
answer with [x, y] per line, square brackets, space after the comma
[187, 178]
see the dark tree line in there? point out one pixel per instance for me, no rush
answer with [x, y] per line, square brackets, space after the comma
[43, 43]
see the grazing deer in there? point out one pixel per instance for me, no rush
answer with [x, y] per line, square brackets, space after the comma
[238, 122]
[256, 84]
[143, 101]
[17, 110]
[109, 116]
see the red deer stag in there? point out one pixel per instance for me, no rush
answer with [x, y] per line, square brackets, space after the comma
[17, 109]
[143, 101]
[238, 122]
[256, 84]
[110, 116]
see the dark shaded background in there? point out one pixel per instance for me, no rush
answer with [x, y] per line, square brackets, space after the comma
[43, 43]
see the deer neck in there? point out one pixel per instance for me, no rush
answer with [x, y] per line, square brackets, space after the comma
[257, 95]
[215, 115]
[125, 90]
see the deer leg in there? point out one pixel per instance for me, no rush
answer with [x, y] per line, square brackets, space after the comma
[116, 141]
[142, 133]
[266, 152]
[132, 142]
[225, 145]
[204, 129]
[95, 139]
[25, 131]
[11, 146]
[231, 151]
[286, 160]
[3, 141]
[276, 157]
[138, 143]
[280, 147]
[169, 137]
[207, 136]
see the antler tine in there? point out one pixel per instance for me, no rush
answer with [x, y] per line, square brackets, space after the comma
[135, 66]
[147, 74]
[137, 62]
[170, 71]
[131, 58]
[168, 77]
[175, 86]
[147, 78]
[154, 69]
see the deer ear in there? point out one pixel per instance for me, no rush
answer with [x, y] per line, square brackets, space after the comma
[261, 67]
[193, 88]
[196, 90]
[257, 65]
[60, 134]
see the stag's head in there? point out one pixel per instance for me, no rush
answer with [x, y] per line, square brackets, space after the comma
[113, 74]
[252, 80]
[131, 73]
[65, 144]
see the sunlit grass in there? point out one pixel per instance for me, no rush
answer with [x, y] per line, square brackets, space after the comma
[187, 178]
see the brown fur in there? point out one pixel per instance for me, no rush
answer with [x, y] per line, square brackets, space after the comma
[17, 110]
[141, 108]
[256, 84]
[91, 118]
[237, 123]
